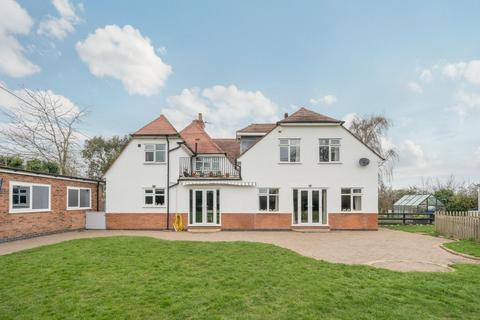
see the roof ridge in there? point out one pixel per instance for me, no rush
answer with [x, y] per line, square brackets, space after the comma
[157, 120]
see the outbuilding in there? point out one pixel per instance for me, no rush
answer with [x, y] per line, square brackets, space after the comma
[34, 203]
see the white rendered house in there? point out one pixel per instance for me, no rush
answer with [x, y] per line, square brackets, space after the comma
[307, 171]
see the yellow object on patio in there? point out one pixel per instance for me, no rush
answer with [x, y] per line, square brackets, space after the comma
[178, 223]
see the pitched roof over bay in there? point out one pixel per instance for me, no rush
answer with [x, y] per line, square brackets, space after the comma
[195, 134]
[158, 127]
[258, 127]
[304, 115]
[230, 146]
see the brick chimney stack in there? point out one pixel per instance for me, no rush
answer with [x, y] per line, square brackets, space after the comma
[200, 119]
[285, 115]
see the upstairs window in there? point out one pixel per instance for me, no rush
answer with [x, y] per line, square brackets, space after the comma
[268, 199]
[154, 197]
[329, 150]
[289, 150]
[155, 152]
[351, 199]
[78, 198]
[29, 197]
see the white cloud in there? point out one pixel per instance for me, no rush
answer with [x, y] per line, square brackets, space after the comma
[12, 104]
[426, 75]
[469, 71]
[348, 118]
[328, 100]
[414, 87]
[59, 27]
[225, 109]
[162, 51]
[454, 70]
[14, 20]
[412, 155]
[466, 103]
[124, 54]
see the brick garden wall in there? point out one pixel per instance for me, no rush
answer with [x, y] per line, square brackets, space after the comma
[142, 221]
[24, 225]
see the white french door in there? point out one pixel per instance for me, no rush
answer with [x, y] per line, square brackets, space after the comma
[204, 207]
[309, 206]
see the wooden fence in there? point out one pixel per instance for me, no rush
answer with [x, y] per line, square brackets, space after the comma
[458, 225]
[406, 218]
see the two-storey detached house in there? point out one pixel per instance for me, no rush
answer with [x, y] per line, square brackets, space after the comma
[305, 172]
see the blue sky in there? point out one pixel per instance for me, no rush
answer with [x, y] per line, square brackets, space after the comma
[251, 61]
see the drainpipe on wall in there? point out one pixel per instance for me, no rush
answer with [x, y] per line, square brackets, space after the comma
[168, 182]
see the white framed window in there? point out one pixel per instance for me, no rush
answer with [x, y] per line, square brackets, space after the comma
[29, 197]
[268, 199]
[329, 150]
[351, 199]
[155, 152]
[207, 164]
[289, 150]
[154, 197]
[79, 198]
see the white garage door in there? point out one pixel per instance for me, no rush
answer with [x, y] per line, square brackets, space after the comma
[95, 220]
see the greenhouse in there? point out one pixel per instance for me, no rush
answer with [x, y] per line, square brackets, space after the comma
[418, 203]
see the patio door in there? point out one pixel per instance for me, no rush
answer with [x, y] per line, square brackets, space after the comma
[204, 207]
[309, 206]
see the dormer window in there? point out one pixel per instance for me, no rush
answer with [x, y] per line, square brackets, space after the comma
[329, 150]
[155, 152]
[289, 150]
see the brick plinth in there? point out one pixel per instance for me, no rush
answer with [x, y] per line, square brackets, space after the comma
[353, 221]
[142, 221]
[261, 221]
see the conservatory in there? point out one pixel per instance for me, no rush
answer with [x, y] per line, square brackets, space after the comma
[418, 203]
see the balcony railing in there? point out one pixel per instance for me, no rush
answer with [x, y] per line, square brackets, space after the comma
[208, 167]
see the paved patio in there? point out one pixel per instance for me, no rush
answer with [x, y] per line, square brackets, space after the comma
[395, 250]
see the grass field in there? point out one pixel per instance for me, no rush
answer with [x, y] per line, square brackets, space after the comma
[465, 246]
[417, 228]
[145, 278]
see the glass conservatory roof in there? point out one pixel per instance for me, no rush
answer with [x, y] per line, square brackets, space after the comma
[412, 200]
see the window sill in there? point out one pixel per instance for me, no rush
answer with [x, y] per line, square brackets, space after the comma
[78, 208]
[331, 162]
[267, 212]
[29, 211]
[352, 211]
[289, 163]
[154, 163]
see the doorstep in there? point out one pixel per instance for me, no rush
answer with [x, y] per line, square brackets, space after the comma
[203, 229]
[311, 228]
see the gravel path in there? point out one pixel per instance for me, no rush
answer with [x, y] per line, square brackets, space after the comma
[390, 249]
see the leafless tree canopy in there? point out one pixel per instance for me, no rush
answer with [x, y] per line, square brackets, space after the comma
[371, 130]
[42, 126]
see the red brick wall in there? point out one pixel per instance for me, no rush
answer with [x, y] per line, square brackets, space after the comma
[139, 221]
[259, 221]
[353, 221]
[22, 225]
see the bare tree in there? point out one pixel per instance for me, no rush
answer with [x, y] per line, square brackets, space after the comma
[42, 125]
[372, 130]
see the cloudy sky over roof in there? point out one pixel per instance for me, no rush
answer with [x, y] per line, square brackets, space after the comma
[251, 61]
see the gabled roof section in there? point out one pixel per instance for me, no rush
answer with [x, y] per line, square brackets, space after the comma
[195, 134]
[230, 146]
[304, 115]
[158, 127]
[257, 127]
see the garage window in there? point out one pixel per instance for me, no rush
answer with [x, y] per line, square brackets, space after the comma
[29, 197]
[78, 198]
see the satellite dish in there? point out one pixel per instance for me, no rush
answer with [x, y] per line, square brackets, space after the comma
[364, 162]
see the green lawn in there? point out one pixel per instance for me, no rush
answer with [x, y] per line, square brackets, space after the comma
[417, 228]
[145, 278]
[465, 246]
